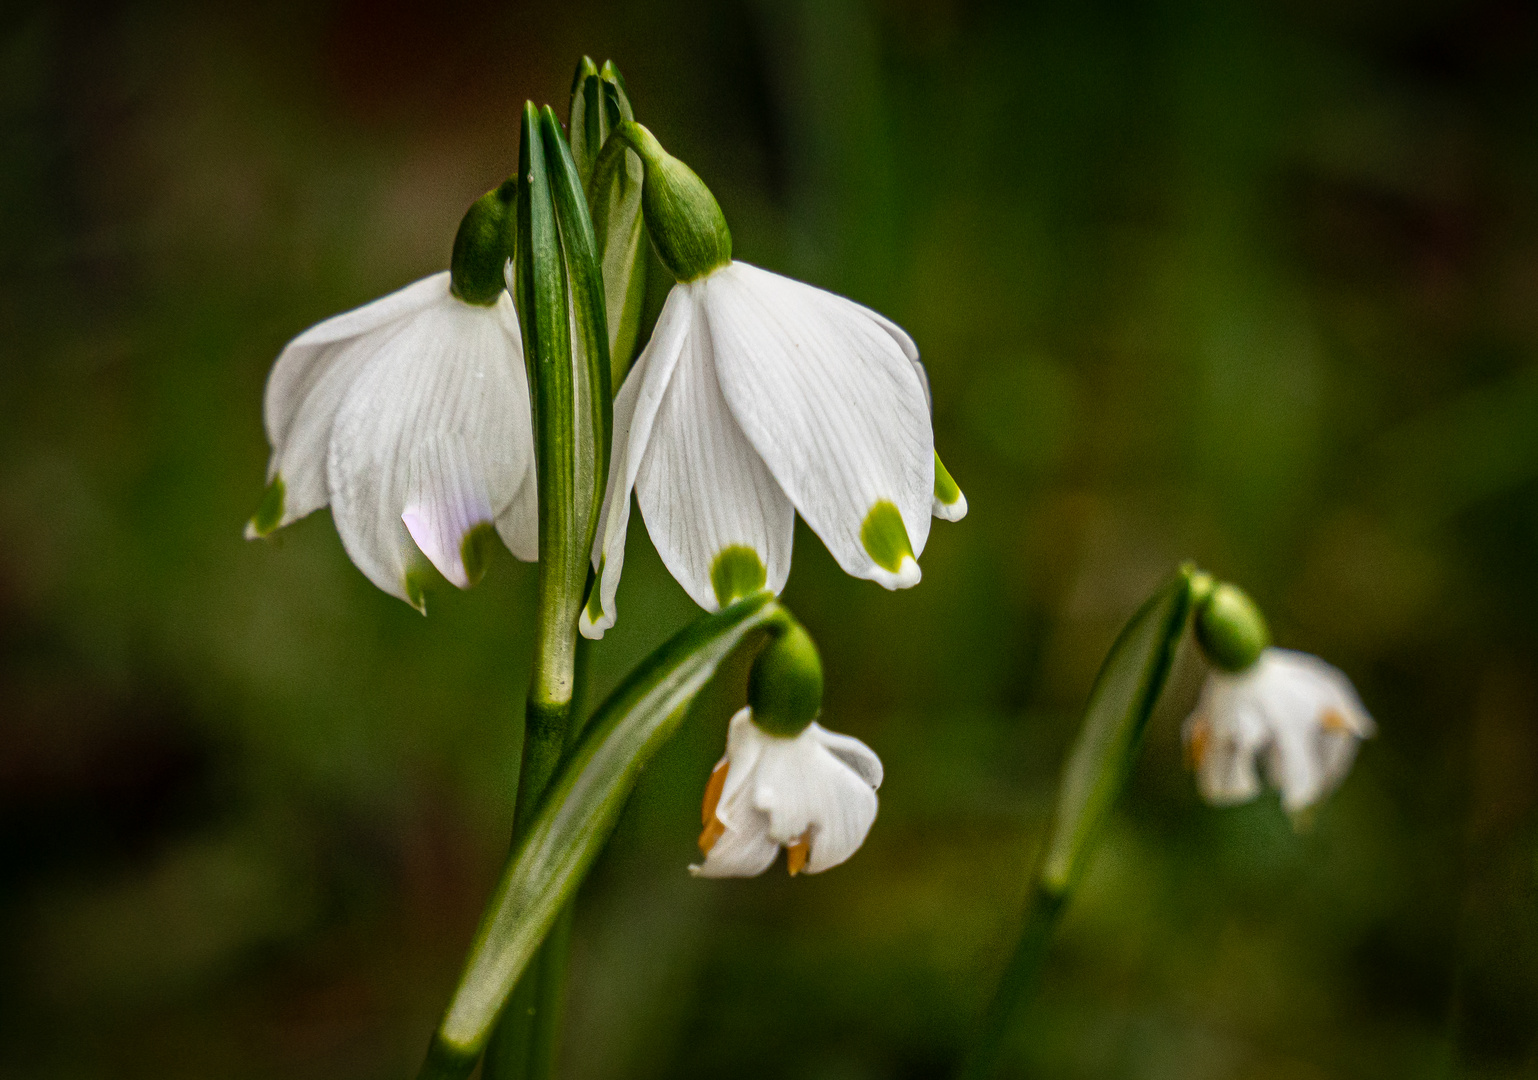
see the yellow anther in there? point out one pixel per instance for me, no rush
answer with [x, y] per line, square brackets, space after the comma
[1196, 743]
[1334, 720]
[796, 853]
[713, 826]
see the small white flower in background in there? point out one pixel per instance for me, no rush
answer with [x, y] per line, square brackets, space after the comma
[757, 397]
[410, 417]
[813, 794]
[1289, 715]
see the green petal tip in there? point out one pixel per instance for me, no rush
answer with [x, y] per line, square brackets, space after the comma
[737, 572]
[269, 512]
[950, 504]
[885, 539]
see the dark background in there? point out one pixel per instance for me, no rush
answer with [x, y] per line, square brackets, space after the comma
[1252, 283]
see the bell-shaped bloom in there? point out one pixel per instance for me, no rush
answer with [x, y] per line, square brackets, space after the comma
[1290, 715]
[410, 417]
[758, 397]
[813, 794]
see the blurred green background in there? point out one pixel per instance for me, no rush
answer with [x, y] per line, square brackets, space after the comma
[1252, 283]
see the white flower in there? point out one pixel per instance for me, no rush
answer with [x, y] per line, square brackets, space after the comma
[813, 794]
[757, 397]
[1290, 712]
[410, 416]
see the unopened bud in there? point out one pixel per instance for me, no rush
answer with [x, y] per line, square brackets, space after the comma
[483, 245]
[683, 219]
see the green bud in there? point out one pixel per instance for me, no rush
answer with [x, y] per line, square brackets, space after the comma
[683, 219]
[483, 245]
[785, 682]
[1230, 628]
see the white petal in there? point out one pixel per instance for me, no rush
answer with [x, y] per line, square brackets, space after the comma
[1291, 712]
[418, 296]
[453, 372]
[738, 854]
[702, 489]
[447, 497]
[635, 409]
[744, 849]
[803, 787]
[852, 752]
[309, 380]
[518, 525]
[299, 458]
[828, 397]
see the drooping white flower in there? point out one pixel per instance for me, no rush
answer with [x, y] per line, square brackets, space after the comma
[814, 794]
[410, 417]
[1289, 714]
[758, 397]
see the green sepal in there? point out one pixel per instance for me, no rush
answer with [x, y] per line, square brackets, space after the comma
[683, 219]
[1119, 706]
[483, 245]
[576, 817]
[1230, 628]
[785, 682]
[269, 512]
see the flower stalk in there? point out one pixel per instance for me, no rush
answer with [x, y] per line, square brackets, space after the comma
[558, 287]
[1123, 699]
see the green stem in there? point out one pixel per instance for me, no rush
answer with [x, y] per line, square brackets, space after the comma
[559, 293]
[1021, 976]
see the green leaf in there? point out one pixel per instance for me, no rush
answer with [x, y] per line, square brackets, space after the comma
[1123, 698]
[577, 816]
[590, 338]
[558, 289]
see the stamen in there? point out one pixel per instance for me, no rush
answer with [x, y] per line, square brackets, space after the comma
[1334, 720]
[713, 826]
[796, 853]
[1196, 744]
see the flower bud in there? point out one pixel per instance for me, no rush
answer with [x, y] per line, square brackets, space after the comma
[785, 683]
[483, 245]
[683, 219]
[1230, 628]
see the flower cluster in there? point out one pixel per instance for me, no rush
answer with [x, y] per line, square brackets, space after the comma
[756, 398]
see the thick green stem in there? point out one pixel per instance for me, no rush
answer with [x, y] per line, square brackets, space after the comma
[559, 292]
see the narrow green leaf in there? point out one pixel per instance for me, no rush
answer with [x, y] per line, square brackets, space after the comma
[540, 292]
[1122, 700]
[576, 817]
[590, 338]
[615, 201]
[1120, 704]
